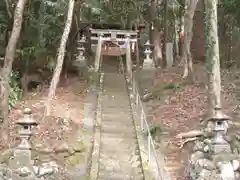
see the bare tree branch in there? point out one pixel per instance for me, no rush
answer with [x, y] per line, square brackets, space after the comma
[8, 9]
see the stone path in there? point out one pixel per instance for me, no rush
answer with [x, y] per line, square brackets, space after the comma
[119, 152]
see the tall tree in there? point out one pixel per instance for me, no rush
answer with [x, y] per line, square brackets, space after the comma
[188, 24]
[155, 30]
[9, 58]
[212, 55]
[60, 57]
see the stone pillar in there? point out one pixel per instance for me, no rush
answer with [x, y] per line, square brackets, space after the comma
[98, 53]
[128, 57]
[137, 54]
[169, 54]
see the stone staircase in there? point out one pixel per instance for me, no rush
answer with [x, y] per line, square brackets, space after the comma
[119, 157]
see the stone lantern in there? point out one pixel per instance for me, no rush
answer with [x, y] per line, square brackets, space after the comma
[148, 61]
[81, 49]
[80, 61]
[26, 123]
[219, 123]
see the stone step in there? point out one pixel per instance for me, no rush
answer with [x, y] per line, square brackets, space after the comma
[115, 96]
[120, 137]
[108, 131]
[123, 123]
[118, 102]
[116, 111]
[112, 116]
[116, 93]
[115, 108]
[127, 136]
[115, 117]
[127, 145]
[109, 119]
[119, 157]
[120, 175]
[123, 142]
[115, 127]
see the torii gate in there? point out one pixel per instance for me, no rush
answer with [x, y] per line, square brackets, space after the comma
[127, 37]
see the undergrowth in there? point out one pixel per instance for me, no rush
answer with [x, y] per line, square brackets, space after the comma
[15, 92]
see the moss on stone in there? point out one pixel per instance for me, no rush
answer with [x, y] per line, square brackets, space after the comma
[73, 160]
[78, 146]
[159, 89]
[5, 155]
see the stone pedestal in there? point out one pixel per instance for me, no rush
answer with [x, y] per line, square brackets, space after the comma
[169, 54]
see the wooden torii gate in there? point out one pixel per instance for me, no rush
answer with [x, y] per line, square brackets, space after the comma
[127, 37]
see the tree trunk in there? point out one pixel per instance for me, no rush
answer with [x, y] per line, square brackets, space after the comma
[230, 25]
[10, 22]
[176, 42]
[181, 27]
[7, 67]
[155, 34]
[60, 57]
[165, 40]
[188, 24]
[212, 55]
[71, 44]
[157, 50]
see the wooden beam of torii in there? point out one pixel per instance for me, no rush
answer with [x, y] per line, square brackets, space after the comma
[116, 35]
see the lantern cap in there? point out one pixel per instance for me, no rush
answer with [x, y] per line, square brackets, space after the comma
[148, 44]
[218, 116]
[141, 26]
[27, 119]
[27, 111]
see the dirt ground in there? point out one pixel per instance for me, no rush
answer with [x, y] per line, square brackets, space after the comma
[65, 120]
[181, 109]
[178, 110]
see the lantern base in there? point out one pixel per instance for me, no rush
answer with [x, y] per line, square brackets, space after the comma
[221, 148]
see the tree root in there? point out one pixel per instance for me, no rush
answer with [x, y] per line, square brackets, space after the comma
[190, 134]
[183, 142]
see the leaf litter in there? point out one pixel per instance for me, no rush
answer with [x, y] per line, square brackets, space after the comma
[182, 109]
[63, 123]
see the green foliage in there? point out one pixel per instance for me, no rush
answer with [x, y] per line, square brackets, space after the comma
[153, 129]
[15, 91]
[3, 22]
[42, 31]
[171, 86]
[232, 7]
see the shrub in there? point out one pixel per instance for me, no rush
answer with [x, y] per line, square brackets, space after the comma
[15, 92]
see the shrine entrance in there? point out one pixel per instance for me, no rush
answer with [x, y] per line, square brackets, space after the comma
[111, 57]
[111, 42]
